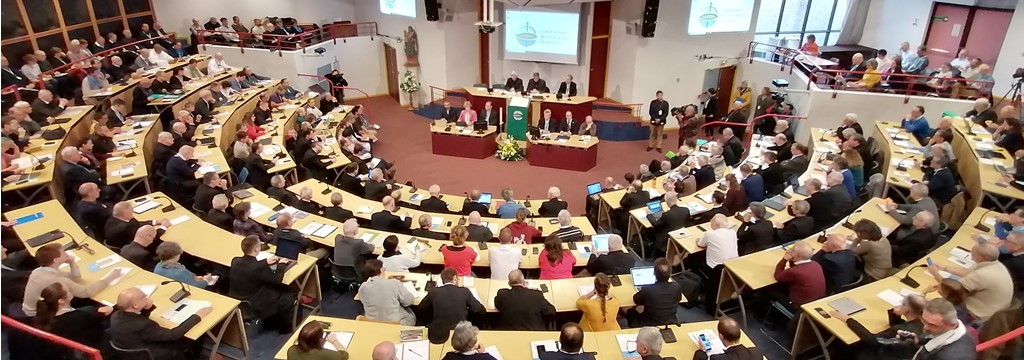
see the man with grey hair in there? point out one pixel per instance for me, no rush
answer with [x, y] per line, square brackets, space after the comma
[797, 228]
[434, 204]
[514, 83]
[756, 233]
[349, 250]
[673, 218]
[615, 261]
[719, 241]
[566, 230]
[376, 188]
[554, 205]
[838, 262]
[474, 204]
[703, 173]
[336, 212]
[306, 202]
[917, 202]
[887, 344]
[277, 191]
[648, 343]
[218, 213]
[805, 278]
[477, 232]
[537, 84]
[982, 114]
[509, 208]
[988, 283]
[949, 339]
[522, 308]
[464, 338]
[910, 242]
[204, 107]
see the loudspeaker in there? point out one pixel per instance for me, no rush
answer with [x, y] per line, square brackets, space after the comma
[650, 20]
[432, 6]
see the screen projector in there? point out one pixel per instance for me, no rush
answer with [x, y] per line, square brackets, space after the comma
[544, 35]
[715, 16]
[398, 7]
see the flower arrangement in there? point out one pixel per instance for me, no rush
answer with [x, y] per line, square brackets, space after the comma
[509, 150]
[409, 83]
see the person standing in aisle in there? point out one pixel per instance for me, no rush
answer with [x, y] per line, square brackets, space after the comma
[659, 114]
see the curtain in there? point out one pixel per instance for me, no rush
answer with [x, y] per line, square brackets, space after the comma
[853, 27]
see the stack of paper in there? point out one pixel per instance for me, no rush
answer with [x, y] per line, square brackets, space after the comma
[627, 345]
[310, 228]
[413, 350]
[325, 231]
[145, 206]
[124, 272]
[961, 256]
[257, 209]
[493, 351]
[585, 289]
[544, 345]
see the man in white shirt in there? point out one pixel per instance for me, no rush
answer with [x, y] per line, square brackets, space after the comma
[160, 57]
[721, 245]
[505, 257]
[884, 62]
[907, 55]
[228, 32]
[217, 65]
[961, 60]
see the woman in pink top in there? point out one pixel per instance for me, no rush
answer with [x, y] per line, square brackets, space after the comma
[467, 116]
[555, 262]
[458, 256]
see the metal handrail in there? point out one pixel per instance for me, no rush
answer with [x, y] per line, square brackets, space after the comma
[292, 40]
[100, 54]
[889, 78]
[93, 354]
[1001, 339]
[334, 88]
[748, 135]
[789, 55]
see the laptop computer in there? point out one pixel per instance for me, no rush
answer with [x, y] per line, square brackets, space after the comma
[593, 189]
[642, 276]
[846, 306]
[485, 198]
[655, 209]
[287, 249]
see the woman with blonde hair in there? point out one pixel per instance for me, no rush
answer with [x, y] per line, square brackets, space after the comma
[599, 307]
[457, 255]
[855, 163]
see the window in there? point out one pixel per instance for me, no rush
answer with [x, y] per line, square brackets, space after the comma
[794, 19]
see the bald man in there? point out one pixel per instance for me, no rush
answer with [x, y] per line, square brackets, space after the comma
[477, 232]
[131, 327]
[386, 220]
[137, 251]
[474, 204]
[47, 107]
[163, 150]
[614, 261]
[570, 344]
[384, 351]
[522, 308]
[91, 213]
[838, 263]
[122, 226]
[911, 242]
[181, 171]
[434, 204]
[804, 277]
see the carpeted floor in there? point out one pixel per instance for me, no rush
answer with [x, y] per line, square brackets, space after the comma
[404, 137]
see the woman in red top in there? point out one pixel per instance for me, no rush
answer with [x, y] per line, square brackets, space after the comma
[457, 256]
[555, 262]
[735, 197]
[254, 131]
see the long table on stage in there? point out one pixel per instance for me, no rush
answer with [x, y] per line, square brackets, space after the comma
[576, 153]
[451, 140]
[581, 106]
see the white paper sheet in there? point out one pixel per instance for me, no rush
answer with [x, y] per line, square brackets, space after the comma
[179, 220]
[344, 337]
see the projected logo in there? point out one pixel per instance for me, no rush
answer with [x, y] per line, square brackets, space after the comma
[710, 15]
[517, 115]
[389, 3]
[527, 35]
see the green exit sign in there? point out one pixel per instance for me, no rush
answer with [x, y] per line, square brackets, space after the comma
[940, 18]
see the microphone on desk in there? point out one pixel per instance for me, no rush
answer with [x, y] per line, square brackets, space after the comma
[981, 222]
[39, 165]
[909, 281]
[170, 203]
[75, 245]
[180, 294]
[899, 165]
[614, 277]
[527, 202]
[970, 129]
[667, 335]
[466, 200]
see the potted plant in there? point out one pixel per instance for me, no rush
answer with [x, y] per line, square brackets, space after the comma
[410, 85]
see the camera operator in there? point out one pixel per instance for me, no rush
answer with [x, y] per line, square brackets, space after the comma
[689, 122]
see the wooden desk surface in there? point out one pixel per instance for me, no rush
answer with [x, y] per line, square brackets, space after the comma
[40, 147]
[367, 335]
[977, 172]
[547, 97]
[54, 213]
[574, 141]
[898, 147]
[364, 208]
[139, 163]
[189, 89]
[439, 127]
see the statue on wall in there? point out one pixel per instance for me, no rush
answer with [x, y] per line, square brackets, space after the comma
[412, 48]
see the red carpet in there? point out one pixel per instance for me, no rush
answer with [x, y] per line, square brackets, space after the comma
[405, 137]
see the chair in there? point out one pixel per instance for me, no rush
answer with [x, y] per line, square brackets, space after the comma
[855, 283]
[199, 213]
[130, 354]
[347, 277]
[116, 249]
[248, 316]
[366, 319]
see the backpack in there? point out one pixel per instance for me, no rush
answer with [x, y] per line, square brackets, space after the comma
[692, 286]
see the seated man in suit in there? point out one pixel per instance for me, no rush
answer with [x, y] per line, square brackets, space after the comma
[673, 218]
[218, 214]
[910, 243]
[211, 186]
[570, 125]
[822, 210]
[47, 107]
[448, 113]
[514, 83]
[837, 202]
[383, 298]
[434, 204]
[522, 308]
[137, 252]
[918, 201]
[838, 263]
[181, 171]
[941, 182]
[634, 198]
[386, 220]
[204, 106]
[772, 174]
[477, 232]
[306, 202]
[703, 173]
[755, 233]
[570, 342]
[567, 87]
[335, 211]
[548, 124]
[277, 191]
[474, 205]
[658, 302]
[425, 224]
[735, 144]
[753, 184]
[554, 205]
[350, 181]
[797, 164]
[376, 187]
[286, 232]
[163, 151]
[121, 226]
[536, 84]
[90, 212]
[75, 170]
[797, 228]
[258, 283]
[490, 116]
[729, 332]
[615, 262]
[132, 328]
[717, 207]
[350, 250]
[446, 305]
[782, 146]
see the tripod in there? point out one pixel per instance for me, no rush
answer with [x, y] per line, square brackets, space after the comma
[1014, 95]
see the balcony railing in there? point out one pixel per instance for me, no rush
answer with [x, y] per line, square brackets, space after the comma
[275, 42]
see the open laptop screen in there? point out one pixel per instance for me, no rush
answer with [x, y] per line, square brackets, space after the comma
[642, 276]
[594, 189]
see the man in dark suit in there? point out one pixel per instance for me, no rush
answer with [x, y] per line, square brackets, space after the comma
[434, 204]
[137, 252]
[75, 170]
[448, 113]
[218, 214]
[121, 227]
[117, 70]
[615, 262]
[838, 263]
[734, 143]
[181, 171]
[522, 308]
[570, 342]
[46, 107]
[488, 115]
[212, 185]
[799, 227]
[376, 188]
[386, 220]
[316, 164]
[256, 282]
[569, 125]
[755, 233]
[514, 83]
[477, 232]
[797, 164]
[823, 211]
[131, 328]
[306, 203]
[717, 207]
[258, 167]
[140, 96]
[849, 122]
[163, 151]
[941, 182]
[204, 106]
[567, 87]
[445, 306]
[660, 301]
[674, 218]
[772, 174]
[475, 205]
[350, 182]
[729, 333]
[277, 191]
[704, 175]
[857, 65]
[335, 211]
[753, 184]
[423, 231]
[90, 212]
[910, 243]
[782, 147]
[839, 203]
[10, 76]
[536, 83]
[548, 123]
[554, 205]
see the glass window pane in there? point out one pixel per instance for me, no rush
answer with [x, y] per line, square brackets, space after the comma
[85, 33]
[136, 23]
[42, 15]
[841, 7]
[833, 38]
[768, 16]
[793, 15]
[11, 24]
[74, 12]
[821, 11]
[111, 27]
[105, 8]
[135, 6]
[50, 41]
[15, 51]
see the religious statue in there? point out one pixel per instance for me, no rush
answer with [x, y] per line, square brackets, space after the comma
[412, 48]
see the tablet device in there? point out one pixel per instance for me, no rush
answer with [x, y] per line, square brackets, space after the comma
[593, 189]
[485, 198]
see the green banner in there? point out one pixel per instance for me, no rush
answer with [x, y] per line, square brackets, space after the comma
[518, 117]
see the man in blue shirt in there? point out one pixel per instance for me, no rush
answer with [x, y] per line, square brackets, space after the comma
[916, 124]
[509, 208]
[752, 183]
[839, 164]
[919, 64]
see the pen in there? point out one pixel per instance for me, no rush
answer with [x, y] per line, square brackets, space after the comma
[415, 353]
